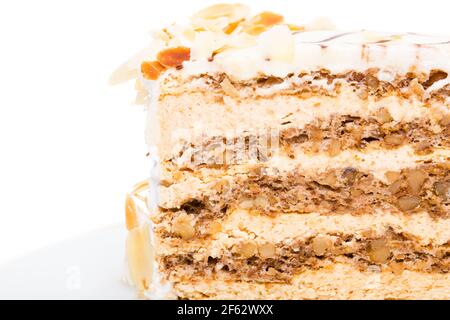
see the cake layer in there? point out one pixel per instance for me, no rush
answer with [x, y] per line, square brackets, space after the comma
[341, 281]
[187, 120]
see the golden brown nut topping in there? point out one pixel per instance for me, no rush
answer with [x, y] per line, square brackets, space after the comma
[174, 57]
[379, 251]
[152, 70]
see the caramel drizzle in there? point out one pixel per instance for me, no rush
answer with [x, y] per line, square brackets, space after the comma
[341, 35]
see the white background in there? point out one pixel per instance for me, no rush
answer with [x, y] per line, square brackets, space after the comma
[71, 146]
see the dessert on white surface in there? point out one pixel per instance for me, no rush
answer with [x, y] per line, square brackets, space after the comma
[291, 162]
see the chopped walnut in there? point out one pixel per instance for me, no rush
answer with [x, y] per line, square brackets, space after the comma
[407, 203]
[183, 226]
[246, 249]
[321, 244]
[379, 251]
[267, 250]
[415, 179]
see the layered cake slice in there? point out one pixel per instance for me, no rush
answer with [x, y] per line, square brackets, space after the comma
[292, 162]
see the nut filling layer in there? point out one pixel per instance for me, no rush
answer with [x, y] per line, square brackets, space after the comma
[321, 82]
[332, 137]
[425, 187]
[270, 262]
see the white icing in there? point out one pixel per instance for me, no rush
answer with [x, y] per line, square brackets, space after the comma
[159, 289]
[333, 50]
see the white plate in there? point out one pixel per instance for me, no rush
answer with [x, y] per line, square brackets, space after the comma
[87, 267]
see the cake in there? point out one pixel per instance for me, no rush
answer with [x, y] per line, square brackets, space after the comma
[291, 161]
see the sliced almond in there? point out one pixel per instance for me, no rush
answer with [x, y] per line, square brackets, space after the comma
[267, 19]
[278, 44]
[295, 28]
[320, 23]
[140, 257]
[151, 70]
[174, 57]
[130, 213]
[233, 12]
[255, 29]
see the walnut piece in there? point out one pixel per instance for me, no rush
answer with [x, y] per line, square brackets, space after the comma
[183, 226]
[379, 251]
[130, 213]
[247, 249]
[407, 203]
[267, 250]
[321, 244]
[416, 179]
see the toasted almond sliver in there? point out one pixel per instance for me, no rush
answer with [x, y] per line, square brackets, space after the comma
[267, 19]
[232, 26]
[140, 257]
[320, 23]
[151, 70]
[233, 12]
[295, 28]
[255, 29]
[140, 186]
[174, 57]
[130, 213]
